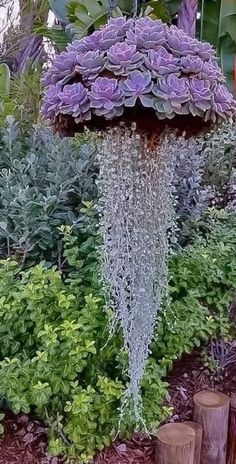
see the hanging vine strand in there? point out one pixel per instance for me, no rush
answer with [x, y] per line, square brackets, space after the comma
[136, 210]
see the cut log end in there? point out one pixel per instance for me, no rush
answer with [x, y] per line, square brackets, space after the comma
[175, 444]
[211, 399]
[175, 434]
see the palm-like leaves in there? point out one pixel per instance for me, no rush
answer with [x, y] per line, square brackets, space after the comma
[87, 15]
[59, 8]
[218, 26]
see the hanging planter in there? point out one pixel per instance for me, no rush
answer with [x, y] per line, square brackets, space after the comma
[141, 84]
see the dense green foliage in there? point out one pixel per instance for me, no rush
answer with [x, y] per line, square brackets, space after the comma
[43, 181]
[55, 357]
[22, 100]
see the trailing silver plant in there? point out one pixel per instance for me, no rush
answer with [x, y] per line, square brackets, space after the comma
[136, 208]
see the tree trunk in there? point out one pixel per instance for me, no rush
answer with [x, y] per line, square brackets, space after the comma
[211, 411]
[187, 17]
[175, 444]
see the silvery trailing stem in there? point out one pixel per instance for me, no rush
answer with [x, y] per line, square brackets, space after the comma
[136, 212]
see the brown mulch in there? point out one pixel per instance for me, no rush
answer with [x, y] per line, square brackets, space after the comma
[139, 450]
[189, 376]
[25, 440]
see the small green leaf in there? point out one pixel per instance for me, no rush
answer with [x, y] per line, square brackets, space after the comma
[4, 80]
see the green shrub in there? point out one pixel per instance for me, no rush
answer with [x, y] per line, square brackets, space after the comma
[201, 288]
[23, 100]
[55, 355]
[43, 181]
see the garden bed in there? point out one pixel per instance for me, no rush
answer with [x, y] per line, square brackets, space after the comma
[25, 440]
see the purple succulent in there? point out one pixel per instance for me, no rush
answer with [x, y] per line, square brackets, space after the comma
[91, 42]
[223, 102]
[121, 25]
[123, 58]
[51, 102]
[106, 98]
[179, 43]
[78, 46]
[75, 102]
[101, 40]
[147, 34]
[161, 62]
[138, 86]
[63, 67]
[110, 37]
[191, 64]
[201, 96]
[157, 66]
[90, 64]
[203, 49]
[212, 72]
[173, 95]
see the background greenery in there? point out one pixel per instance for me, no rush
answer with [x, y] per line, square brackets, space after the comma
[56, 357]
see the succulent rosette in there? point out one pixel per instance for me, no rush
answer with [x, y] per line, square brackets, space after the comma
[147, 34]
[136, 63]
[178, 43]
[123, 58]
[90, 64]
[107, 98]
[191, 64]
[201, 96]
[211, 71]
[63, 67]
[172, 94]
[203, 49]
[52, 102]
[121, 25]
[74, 101]
[138, 87]
[222, 102]
[161, 62]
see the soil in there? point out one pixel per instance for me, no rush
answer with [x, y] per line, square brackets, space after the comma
[25, 439]
[144, 118]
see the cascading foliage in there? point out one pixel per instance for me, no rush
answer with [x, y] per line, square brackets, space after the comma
[136, 71]
[135, 204]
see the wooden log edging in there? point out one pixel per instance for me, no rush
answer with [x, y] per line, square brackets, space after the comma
[198, 440]
[175, 444]
[231, 458]
[211, 411]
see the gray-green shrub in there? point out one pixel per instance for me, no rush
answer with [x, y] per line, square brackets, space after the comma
[43, 182]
